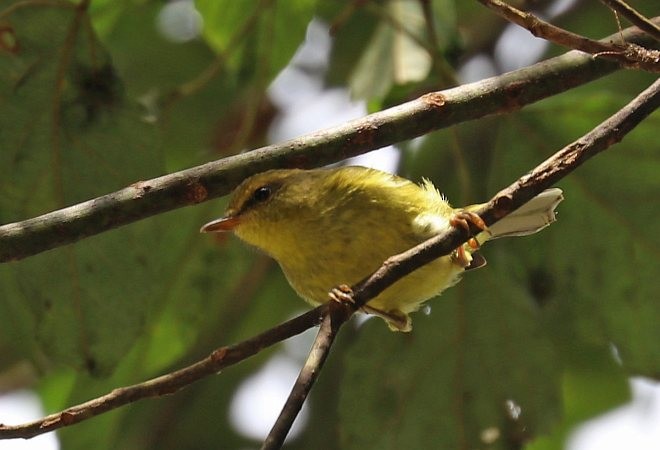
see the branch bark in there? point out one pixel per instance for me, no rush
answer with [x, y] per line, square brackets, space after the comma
[430, 112]
[627, 54]
[506, 201]
[170, 383]
[517, 194]
[634, 17]
[336, 315]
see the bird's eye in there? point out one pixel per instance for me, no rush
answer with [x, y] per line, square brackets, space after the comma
[261, 194]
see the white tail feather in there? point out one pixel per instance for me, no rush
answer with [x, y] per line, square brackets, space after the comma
[531, 217]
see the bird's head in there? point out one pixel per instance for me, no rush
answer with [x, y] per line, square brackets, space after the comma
[267, 209]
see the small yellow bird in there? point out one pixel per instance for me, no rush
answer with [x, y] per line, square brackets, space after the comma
[327, 227]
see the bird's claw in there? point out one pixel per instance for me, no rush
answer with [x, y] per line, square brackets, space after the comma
[463, 219]
[342, 294]
[460, 257]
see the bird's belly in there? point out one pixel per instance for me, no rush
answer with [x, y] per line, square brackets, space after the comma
[406, 295]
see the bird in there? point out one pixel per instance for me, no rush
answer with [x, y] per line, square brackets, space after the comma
[331, 227]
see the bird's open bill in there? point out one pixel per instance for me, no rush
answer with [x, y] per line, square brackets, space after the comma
[220, 225]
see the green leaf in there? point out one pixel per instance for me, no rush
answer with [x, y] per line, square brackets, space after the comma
[69, 134]
[516, 355]
[374, 57]
[607, 212]
[257, 38]
[170, 78]
[592, 384]
[450, 383]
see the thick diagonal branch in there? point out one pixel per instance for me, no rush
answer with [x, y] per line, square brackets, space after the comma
[506, 201]
[430, 112]
[517, 194]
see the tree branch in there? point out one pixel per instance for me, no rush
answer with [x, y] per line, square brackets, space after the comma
[628, 55]
[506, 201]
[430, 112]
[634, 17]
[219, 359]
[334, 315]
[517, 194]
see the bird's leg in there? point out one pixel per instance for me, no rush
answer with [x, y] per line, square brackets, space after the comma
[396, 320]
[463, 219]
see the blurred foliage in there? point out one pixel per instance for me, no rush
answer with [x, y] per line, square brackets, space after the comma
[515, 356]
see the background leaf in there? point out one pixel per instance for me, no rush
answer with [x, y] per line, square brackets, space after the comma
[518, 354]
[69, 133]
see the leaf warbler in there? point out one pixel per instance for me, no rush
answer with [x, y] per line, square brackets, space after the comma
[327, 227]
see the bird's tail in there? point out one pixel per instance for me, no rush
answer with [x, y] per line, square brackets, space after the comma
[531, 217]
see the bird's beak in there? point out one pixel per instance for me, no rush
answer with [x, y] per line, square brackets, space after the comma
[220, 225]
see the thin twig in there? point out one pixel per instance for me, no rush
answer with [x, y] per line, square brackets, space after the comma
[382, 13]
[395, 268]
[634, 58]
[219, 359]
[430, 112]
[634, 17]
[440, 65]
[336, 316]
[431, 31]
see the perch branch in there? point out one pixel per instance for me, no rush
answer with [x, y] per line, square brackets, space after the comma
[517, 194]
[219, 359]
[336, 315]
[430, 112]
[506, 201]
[509, 199]
[627, 54]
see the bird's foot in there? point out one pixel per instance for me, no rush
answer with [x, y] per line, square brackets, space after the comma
[342, 294]
[463, 219]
